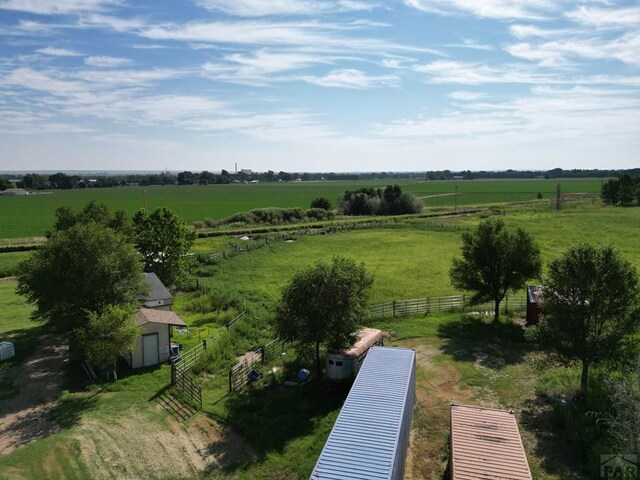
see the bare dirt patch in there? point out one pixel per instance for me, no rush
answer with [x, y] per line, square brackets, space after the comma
[135, 447]
[438, 384]
[39, 380]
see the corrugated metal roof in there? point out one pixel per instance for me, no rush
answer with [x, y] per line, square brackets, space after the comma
[152, 315]
[486, 444]
[363, 442]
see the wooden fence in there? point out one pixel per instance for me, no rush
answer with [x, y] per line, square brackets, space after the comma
[422, 306]
[239, 374]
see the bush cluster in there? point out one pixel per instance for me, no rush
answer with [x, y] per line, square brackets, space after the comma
[622, 190]
[270, 216]
[370, 201]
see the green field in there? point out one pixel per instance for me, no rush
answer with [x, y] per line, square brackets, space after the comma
[32, 216]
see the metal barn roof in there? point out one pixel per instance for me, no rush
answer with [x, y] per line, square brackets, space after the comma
[364, 441]
[486, 444]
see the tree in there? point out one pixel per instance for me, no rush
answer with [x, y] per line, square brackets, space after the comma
[495, 261]
[93, 212]
[324, 304]
[32, 181]
[321, 202]
[81, 270]
[61, 180]
[590, 307]
[164, 240]
[109, 335]
[4, 184]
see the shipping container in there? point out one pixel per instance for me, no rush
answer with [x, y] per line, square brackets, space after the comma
[370, 438]
[486, 443]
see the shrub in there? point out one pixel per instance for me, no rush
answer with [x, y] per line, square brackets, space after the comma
[198, 225]
[322, 203]
[210, 222]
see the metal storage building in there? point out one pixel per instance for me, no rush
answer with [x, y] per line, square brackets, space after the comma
[370, 437]
[486, 444]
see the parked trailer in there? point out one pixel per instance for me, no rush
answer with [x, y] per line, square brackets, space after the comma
[370, 437]
[344, 365]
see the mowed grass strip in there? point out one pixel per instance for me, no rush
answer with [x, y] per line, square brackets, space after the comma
[31, 216]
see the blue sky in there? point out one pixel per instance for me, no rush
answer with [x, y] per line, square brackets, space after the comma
[319, 85]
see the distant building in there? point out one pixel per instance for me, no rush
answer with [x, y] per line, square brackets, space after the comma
[14, 192]
[458, 177]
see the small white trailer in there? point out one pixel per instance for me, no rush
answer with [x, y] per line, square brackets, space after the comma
[345, 364]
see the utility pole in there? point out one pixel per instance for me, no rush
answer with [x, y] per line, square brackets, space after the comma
[558, 197]
[144, 198]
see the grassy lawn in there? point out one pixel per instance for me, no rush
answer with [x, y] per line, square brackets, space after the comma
[34, 215]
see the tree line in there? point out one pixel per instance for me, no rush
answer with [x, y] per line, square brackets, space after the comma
[60, 180]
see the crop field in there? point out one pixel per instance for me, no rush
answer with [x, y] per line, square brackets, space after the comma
[111, 430]
[32, 216]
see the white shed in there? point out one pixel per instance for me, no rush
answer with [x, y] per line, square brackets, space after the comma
[153, 346]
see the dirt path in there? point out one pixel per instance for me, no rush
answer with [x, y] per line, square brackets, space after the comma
[134, 447]
[39, 379]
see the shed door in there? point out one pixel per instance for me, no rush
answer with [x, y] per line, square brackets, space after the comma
[150, 349]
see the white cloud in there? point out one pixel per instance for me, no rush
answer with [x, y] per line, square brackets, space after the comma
[625, 48]
[546, 114]
[57, 7]
[106, 62]
[256, 68]
[59, 52]
[606, 17]
[310, 35]
[500, 9]
[465, 95]
[465, 73]
[352, 78]
[471, 44]
[261, 8]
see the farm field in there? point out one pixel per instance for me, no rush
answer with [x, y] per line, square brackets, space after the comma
[278, 433]
[31, 216]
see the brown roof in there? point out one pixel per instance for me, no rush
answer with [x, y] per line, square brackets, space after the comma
[486, 444]
[151, 315]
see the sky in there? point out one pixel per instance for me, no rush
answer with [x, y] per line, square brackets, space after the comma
[319, 85]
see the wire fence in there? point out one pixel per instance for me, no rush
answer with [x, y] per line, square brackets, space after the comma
[423, 306]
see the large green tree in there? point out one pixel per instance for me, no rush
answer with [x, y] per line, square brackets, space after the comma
[164, 240]
[93, 212]
[83, 269]
[109, 335]
[495, 260]
[590, 307]
[324, 305]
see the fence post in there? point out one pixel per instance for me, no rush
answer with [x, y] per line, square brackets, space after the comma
[204, 344]
[394, 308]
[230, 379]
[173, 371]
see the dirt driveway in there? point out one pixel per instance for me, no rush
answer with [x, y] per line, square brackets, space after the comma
[39, 380]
